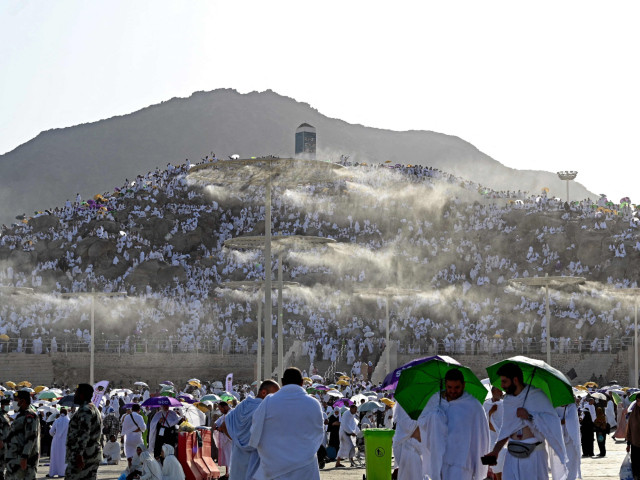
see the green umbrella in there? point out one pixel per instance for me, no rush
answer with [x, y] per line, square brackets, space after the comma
[418, 384]
[540, 375]
[616, 397]
[48, 395]
[211, 397]
[167, 393]
[227, 397]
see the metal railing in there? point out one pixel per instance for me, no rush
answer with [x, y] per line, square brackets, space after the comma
[137, 347]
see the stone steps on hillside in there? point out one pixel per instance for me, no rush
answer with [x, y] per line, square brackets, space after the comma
[594, 364]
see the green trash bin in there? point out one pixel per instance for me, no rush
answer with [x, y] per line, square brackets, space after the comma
[377, 452]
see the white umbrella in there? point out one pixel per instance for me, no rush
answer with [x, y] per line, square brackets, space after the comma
[120, 392]
[334, 393]
[141, 384]
[580, 393]
[317, 378]
[193, 415]
[369, 334]
[358, 398]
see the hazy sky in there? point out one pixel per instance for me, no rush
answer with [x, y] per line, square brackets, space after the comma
[549, 85]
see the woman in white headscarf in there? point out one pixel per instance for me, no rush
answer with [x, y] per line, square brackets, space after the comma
[135, 466]
[151, 468]
[171, 468]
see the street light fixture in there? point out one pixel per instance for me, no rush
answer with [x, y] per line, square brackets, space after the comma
[545, 282]
[265, 171]
[567, 175]
[281, 244]
[93, 294]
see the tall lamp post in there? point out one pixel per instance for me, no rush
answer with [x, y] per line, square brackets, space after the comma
[265, 172]
[634, 292]
[545, 282]
[93, 294]
[282, 243]
[386, 293]
[253, 285]
[567, 175]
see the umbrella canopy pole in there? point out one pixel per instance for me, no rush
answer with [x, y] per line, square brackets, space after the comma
[268, 335]
[533, 374]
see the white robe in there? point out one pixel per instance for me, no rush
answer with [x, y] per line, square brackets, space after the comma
[495, 420]
[132, 438]
[348, 425]
[408, 451]
[545, 426]
[244, 458]
[224, 444]
[287, 430]
[571, 435]
[58, 431]
[150, 468]
[111, 452]
[460, 426]
[171, 468]
[172, 419]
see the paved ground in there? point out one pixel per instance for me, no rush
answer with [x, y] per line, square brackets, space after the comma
[606, 468]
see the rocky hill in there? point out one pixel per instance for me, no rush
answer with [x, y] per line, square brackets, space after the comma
[94, 157]
[459, 243]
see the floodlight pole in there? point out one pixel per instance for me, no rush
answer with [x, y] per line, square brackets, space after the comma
[93, 337]
[259, 352]
[635, 343]
[546, 286]
[92, 343]
[388, 346]
[567, 175]
[546, 281]
[268, 334]
[280, 320]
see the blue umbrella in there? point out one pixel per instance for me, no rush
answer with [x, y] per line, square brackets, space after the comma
[66, 401]
[155, 402]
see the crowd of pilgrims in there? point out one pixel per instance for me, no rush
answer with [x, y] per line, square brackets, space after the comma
[129, 430]
[136, 437]
[181, 315]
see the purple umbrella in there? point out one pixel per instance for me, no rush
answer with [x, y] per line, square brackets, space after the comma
[321, 387]
[185, 397]
[167, 382]
[155, 402]
[129, 405]
[343, 402]
[391, 381]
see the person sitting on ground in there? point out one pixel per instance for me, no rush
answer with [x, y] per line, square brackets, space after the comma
[151, 468]
[171, 468]
[111, 451]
